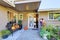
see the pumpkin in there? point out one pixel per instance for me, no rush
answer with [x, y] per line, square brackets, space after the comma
[13, 28]
[17, 26]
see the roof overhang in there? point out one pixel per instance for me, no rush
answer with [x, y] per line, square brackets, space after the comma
[50, 9]
[27, 1]
[7, 3]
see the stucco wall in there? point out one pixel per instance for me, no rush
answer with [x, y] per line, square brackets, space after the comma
[4, 17]
[25, 19]
[43, 15]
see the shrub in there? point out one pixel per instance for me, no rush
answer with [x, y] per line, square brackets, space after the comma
[53, 33]
[5, 33]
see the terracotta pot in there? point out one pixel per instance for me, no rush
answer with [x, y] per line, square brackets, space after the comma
[25, 28]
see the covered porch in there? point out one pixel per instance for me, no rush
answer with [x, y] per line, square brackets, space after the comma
[26, 10]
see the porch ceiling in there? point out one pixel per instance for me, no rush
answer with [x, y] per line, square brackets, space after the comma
[27, 6]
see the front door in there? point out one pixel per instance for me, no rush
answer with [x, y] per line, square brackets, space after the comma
[30, 21]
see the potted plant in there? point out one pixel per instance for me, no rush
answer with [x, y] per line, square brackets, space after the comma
[5, 33]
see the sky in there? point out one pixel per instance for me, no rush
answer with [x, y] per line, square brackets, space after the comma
[47, 4]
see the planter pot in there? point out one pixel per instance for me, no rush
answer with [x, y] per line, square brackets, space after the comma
[25, 28]
[4, 36]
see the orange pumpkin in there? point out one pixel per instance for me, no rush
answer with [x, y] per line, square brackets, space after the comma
[13, 28]
[17, 26]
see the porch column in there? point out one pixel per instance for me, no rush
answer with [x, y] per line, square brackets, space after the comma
[36, 20]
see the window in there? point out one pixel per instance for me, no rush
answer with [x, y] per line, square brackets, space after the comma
[50, 15]
[20, 16]
[10, 16]
[14, 16]
[54, 16]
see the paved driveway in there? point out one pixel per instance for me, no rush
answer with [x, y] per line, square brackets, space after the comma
[25, 35]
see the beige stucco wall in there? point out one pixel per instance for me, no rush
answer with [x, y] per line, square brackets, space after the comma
[44, 14]
[4, 17]
[25, 19]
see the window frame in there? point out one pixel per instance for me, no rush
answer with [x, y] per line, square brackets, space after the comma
[20, 16]
[53, 15]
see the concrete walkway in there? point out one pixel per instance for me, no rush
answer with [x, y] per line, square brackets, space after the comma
[25, 35]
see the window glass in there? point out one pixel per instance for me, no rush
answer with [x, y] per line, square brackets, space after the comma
[20, 16]
[50, 15]
[56, 15]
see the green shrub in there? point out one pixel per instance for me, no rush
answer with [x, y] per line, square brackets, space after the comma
[5, 32]
[51, 31]
[49, 28]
